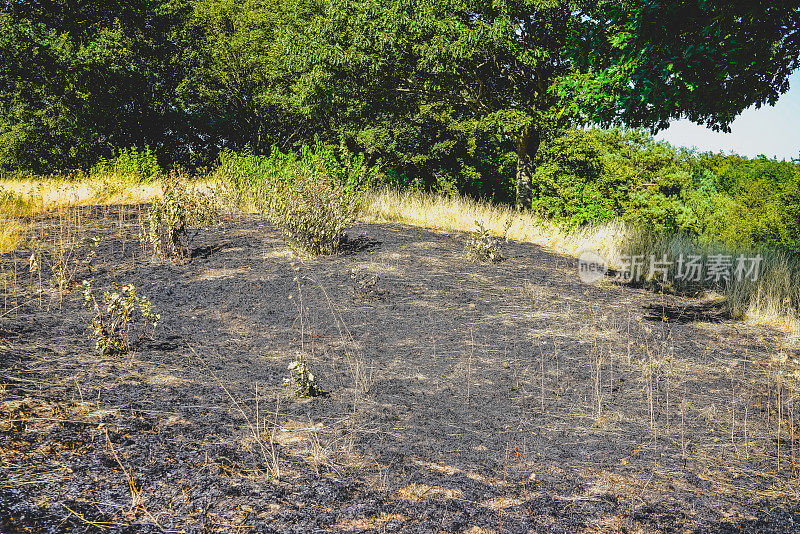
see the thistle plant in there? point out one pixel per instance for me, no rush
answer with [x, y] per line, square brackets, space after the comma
[121, 319]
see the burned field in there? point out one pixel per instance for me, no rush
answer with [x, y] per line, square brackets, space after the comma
[454, 396]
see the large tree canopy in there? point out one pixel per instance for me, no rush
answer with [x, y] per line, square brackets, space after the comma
[529, 66]
[237, 84]
[445, 92]
[702, 60]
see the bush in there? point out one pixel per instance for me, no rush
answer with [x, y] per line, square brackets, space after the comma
[140, 165]
[121, 319]
[483, 246]
[594, 176]
[302, 378]
[761, 205]
[169, 218]
[314, 196]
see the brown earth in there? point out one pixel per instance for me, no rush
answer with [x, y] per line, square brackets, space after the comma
[459, 397]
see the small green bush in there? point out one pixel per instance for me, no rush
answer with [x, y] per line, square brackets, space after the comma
[301, 377]
[170, 217]
[140, 165]
[314, 196]
[483, 246]
[121, 319]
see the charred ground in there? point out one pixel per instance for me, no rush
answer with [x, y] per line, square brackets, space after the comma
[459, 396]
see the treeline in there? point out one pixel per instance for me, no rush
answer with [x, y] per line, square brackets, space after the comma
[462, 96]
[591, 176]
[80, 81]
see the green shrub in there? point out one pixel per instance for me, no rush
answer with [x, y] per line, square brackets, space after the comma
[121, 319]
[761, 205]
[169, 218]
[483, 246]
[301, 377]
[593, 176]
[140, 165]
[314, 196]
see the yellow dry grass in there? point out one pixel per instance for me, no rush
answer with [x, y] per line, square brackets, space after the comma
[374, 523]
[456, 213]
[36, 195]
[24, 198]
[10, 230]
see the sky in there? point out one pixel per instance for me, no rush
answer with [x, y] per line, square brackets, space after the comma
[772, 130]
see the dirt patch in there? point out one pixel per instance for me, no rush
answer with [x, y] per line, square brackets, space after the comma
[460, 397]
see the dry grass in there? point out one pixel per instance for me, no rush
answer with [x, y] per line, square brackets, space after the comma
[37, 195]
[456, 213]
[10, 230]
[22, 199]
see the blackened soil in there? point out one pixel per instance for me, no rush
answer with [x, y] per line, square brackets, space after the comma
[459, 397]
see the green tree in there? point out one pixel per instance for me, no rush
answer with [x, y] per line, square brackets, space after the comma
[78, 79]
[237, 84]
[590, 176]
[760, 204]
[376, 65]
[702, 60]
[529, 67]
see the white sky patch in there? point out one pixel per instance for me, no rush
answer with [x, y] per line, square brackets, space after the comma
[771, 131]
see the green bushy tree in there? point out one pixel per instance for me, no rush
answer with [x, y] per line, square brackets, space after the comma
[79, 79]
[591, 176]
[314, 196]
[761, 202]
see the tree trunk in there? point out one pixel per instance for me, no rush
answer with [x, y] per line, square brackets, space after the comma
[527, 145]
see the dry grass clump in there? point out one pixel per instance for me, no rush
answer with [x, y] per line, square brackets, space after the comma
[10, 239]
[38, 194]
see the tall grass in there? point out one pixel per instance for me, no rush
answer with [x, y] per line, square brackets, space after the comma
[773, 298]
[457, 213]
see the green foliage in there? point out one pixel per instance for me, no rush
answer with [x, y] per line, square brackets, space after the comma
[132, 163]
[435, 150]
[80, 79]
[121, 319]
[670, 60]
[170, 217]
[302, 378]
[239, 75]
[483, 246]
[415, 79]
[591, 176]
[314, 196]
[761, 204]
